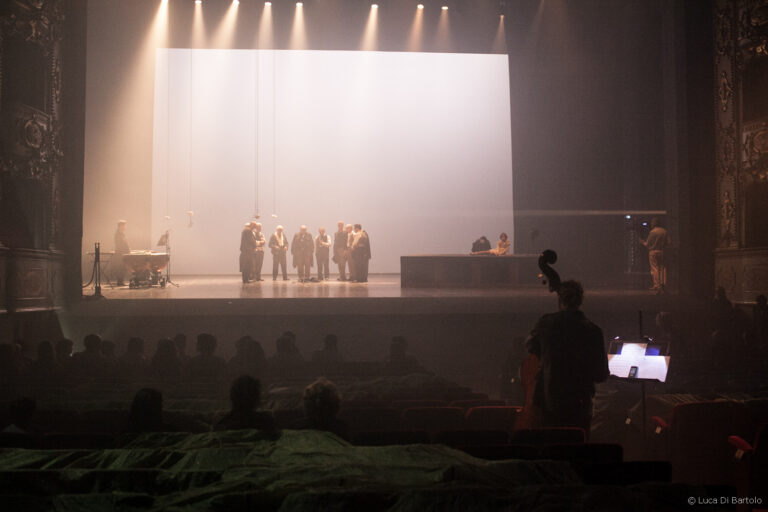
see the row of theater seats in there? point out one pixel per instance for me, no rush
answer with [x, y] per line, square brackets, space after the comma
[718, 443]
[595, 463]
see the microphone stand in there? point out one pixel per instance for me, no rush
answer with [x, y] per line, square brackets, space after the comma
[168, 250]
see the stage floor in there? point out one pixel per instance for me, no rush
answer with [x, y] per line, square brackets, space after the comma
[231, 287]
[208, 295]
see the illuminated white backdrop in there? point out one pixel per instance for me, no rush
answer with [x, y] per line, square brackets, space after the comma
[414, 146]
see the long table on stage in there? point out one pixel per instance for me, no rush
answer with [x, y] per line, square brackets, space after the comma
[468, 271]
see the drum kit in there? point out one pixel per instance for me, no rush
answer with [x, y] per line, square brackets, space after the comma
[146, 267]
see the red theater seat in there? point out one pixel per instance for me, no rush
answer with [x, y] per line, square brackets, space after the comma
[468, 404]
[386, 438]
[492, 417]
[408, 404]
[548, 436]
[751, 464]
[367, 420]
[433, 419]
[695, 440]
[462, 438]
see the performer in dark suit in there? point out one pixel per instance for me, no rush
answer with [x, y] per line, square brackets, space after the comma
[572, 354]
[348, 251]
[121, 248]
[361, 254]
[322, 251]
[258, 253]
[278, 244]
[303, 249]
[340, 251]
[247, 247]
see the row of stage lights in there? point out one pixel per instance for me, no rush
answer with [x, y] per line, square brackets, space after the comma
[301, 4]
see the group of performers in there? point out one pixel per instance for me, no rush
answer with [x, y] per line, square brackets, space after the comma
[351, 247]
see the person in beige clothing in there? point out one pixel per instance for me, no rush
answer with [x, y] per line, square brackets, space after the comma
[657, 242]
[502, 247]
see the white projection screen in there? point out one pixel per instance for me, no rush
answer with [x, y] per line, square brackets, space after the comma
[414, 146]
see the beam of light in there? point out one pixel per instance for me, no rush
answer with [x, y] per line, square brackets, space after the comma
[265, 37]
[500, 41]
[225, 32]
[138, 87]
[369, 41]
[298, 31]
[443, 36]
[417, 30]
[198, 27]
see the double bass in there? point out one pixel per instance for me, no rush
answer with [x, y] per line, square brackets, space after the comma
[530, 416]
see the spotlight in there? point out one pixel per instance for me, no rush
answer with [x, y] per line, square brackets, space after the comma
[420, 6]
[268, 4]
[198, 1]
[299, 4]
[374, 6]
[445, 7]
[236, 2]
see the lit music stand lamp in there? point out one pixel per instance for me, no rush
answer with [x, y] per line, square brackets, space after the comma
[633, 364]
[165, 239]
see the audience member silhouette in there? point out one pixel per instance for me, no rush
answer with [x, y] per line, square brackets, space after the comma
[330, 352]
[89, 364]
[249, 358]
[111, 363]
[21, 413]
[45, 366]
[146, 414]
[760, 320]
[64, 354]
[286, 355]
[206, 365]
[399, 361]
[322, 402]
[133, 364]
[166, 365]
[722, 311]
[180, 340]
[10, 368]
[245, 396]
[22, 350]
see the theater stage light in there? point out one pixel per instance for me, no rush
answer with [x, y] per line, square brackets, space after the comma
[198, 1]
[445, 7]
[420, 6]
[267, 4]
[374, 6]
[299, 4]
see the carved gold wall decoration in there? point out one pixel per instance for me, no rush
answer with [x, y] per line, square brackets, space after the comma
[725, 91]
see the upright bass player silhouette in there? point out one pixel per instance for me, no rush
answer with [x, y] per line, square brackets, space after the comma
[567, 359]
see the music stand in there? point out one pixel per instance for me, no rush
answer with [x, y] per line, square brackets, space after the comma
[96, 274]
[632, 364]
[165, 239]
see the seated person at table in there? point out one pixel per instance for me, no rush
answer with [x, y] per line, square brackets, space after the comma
[502, 247]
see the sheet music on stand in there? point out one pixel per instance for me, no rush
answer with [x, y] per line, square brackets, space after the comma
[633, 357]
[633, 365]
